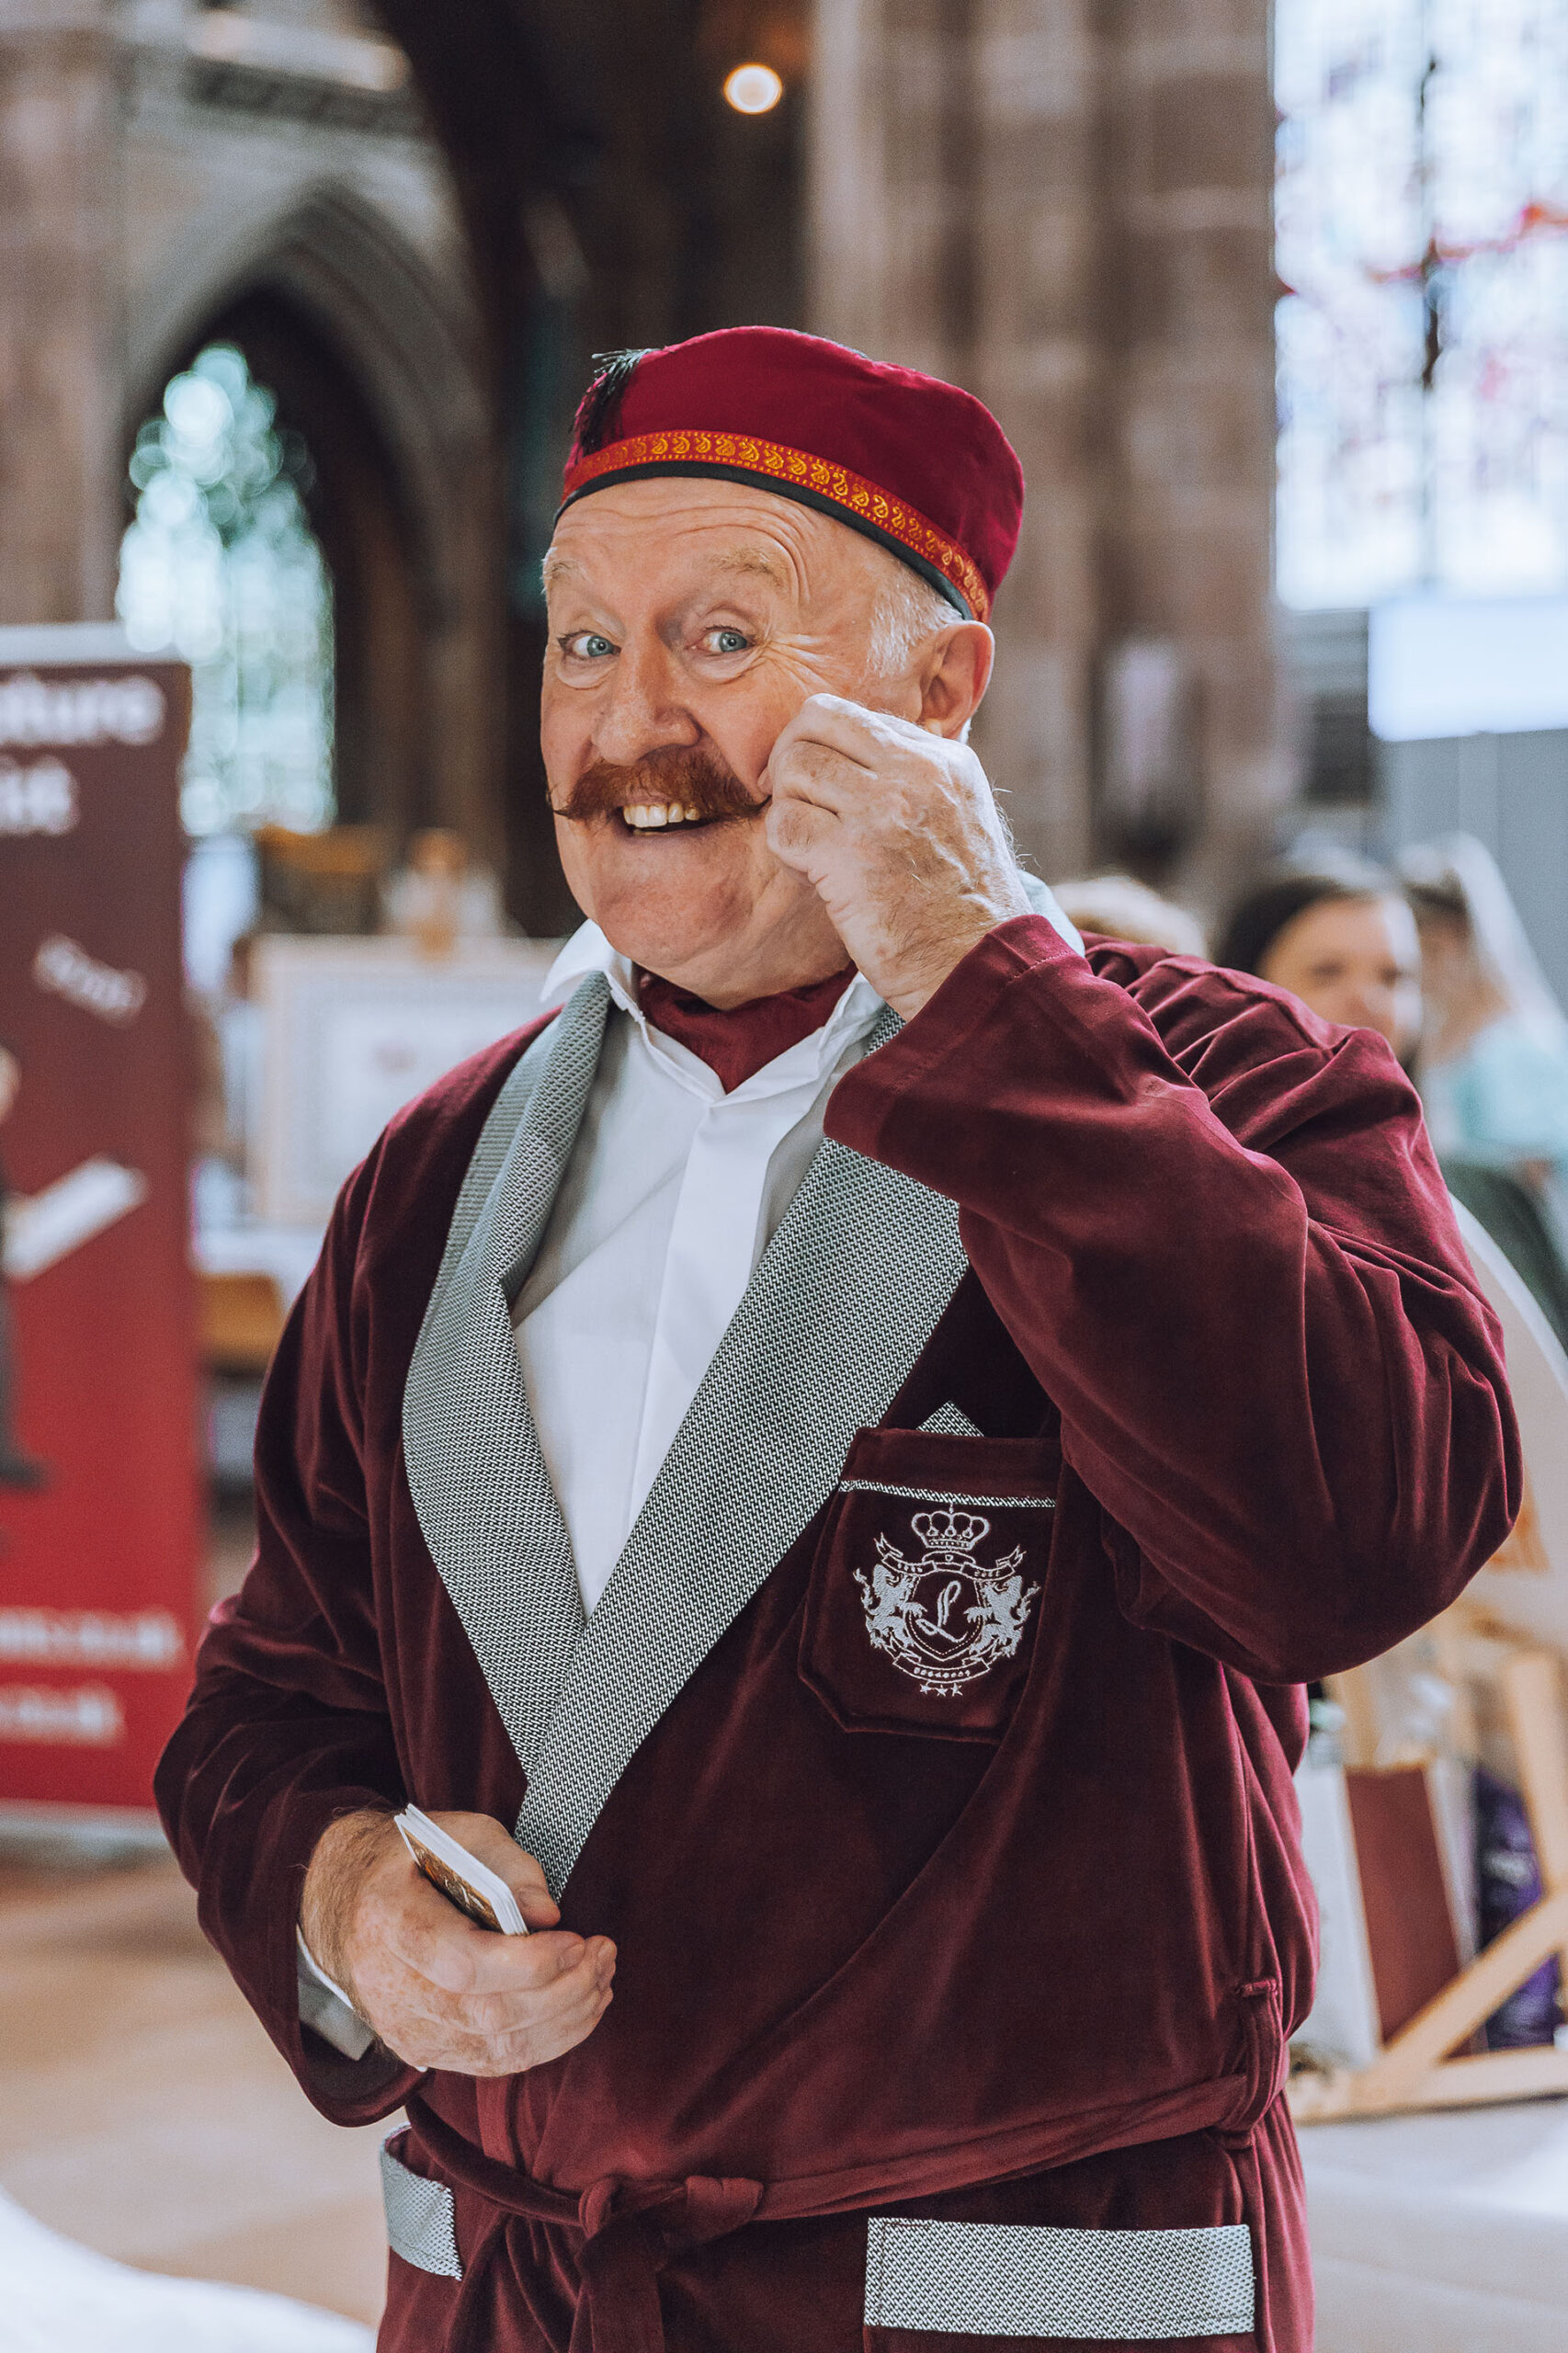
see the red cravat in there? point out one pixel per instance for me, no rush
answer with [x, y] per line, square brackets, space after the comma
[739, 1042]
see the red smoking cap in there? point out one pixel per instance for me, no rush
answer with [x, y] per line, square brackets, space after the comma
[915, 464]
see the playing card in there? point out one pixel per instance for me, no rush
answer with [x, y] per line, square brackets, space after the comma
[461, 1878]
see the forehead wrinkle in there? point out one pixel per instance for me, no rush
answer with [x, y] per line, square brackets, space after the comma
[754, 563]
[705, 580]
[746, 563]
[765, 536]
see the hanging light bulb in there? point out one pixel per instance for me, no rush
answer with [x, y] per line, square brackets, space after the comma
[754, 89]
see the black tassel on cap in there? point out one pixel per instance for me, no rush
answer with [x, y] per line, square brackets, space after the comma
[598, 411]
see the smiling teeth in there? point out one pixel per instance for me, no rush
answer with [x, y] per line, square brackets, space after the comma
[648, 816]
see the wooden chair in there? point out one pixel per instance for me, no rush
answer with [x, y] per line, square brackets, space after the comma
[1414, 2069]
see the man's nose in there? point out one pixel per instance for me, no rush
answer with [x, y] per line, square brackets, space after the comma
[639, 710]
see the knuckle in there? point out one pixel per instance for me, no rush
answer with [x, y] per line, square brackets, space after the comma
[451, 1966]
[500, 2011]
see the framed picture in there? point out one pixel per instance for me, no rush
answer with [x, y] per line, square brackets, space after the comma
[351, 1029]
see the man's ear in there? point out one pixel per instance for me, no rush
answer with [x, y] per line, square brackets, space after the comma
[953, 676]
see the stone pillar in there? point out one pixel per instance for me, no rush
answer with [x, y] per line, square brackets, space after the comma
[880, 206]
[1190, 338]
[60, 298]
[1066, 204]
[1037, 361]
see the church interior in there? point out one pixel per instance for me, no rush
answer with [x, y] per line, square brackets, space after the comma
[300, 297]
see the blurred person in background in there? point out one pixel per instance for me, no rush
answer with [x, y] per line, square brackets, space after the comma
[1495, 1044]
[1117, 906]
[1494, 1061]
[1338, 933]
[440, 895]
[1342, 936]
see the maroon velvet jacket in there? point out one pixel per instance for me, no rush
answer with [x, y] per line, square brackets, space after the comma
[1029, 1953]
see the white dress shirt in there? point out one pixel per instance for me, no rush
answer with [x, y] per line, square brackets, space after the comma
[673, 1192]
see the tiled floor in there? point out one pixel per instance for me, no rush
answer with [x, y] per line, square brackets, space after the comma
[143, 2111]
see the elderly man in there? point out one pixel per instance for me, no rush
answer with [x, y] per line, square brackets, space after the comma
[825, 1463]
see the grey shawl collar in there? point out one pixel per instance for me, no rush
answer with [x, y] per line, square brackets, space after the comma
[475, 1471]
[844, 1299]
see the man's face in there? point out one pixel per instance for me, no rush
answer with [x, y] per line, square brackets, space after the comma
[689, 622]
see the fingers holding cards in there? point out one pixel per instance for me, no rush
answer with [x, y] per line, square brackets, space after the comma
[515, 1982]
[440, 1989]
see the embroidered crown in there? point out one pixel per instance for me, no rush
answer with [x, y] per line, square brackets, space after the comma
[948, 1531]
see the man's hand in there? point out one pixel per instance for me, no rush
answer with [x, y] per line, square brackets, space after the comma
[439, 1991]
[898, 830]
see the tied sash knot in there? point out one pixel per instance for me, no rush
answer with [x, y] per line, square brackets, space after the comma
[624, 2232]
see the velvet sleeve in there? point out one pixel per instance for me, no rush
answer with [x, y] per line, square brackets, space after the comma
[1217, 1232]
[288, 1726]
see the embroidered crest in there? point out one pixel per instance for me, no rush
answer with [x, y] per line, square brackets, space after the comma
[945, 1619]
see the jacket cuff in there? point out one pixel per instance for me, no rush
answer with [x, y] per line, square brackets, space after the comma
[327, 2008]
[354, 2081]
[863, 1105]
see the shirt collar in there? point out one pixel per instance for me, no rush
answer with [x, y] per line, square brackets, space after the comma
[852, 1019]
[587, 951]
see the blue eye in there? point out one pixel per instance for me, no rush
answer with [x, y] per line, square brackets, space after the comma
[730, 641]
[595, 647]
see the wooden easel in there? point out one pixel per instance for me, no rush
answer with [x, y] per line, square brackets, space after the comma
[1415, 2070]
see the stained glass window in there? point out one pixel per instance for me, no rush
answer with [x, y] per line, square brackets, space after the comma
[1422, 237]
[221, 564]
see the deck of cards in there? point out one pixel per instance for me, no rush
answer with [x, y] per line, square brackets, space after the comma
[461, 1878]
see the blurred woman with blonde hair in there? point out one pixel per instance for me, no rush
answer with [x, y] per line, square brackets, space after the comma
[1493, 1065]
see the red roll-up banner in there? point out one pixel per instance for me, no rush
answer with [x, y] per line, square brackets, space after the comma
[99, 1484]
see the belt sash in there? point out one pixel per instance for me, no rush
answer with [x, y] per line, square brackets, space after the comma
[623, 2232]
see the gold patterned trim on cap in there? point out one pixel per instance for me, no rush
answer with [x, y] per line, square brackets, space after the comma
[863, 501]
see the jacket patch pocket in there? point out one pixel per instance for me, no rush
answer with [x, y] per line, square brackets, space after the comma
[421, 2217]
[925, 1591]
[1021, 2279]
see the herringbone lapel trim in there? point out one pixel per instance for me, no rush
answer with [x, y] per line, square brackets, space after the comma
[476, 1470]
[843, 1299]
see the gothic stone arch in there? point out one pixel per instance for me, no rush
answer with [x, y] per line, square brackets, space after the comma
[380, 363]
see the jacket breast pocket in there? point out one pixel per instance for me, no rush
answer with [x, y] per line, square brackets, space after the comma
[924, 1601]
